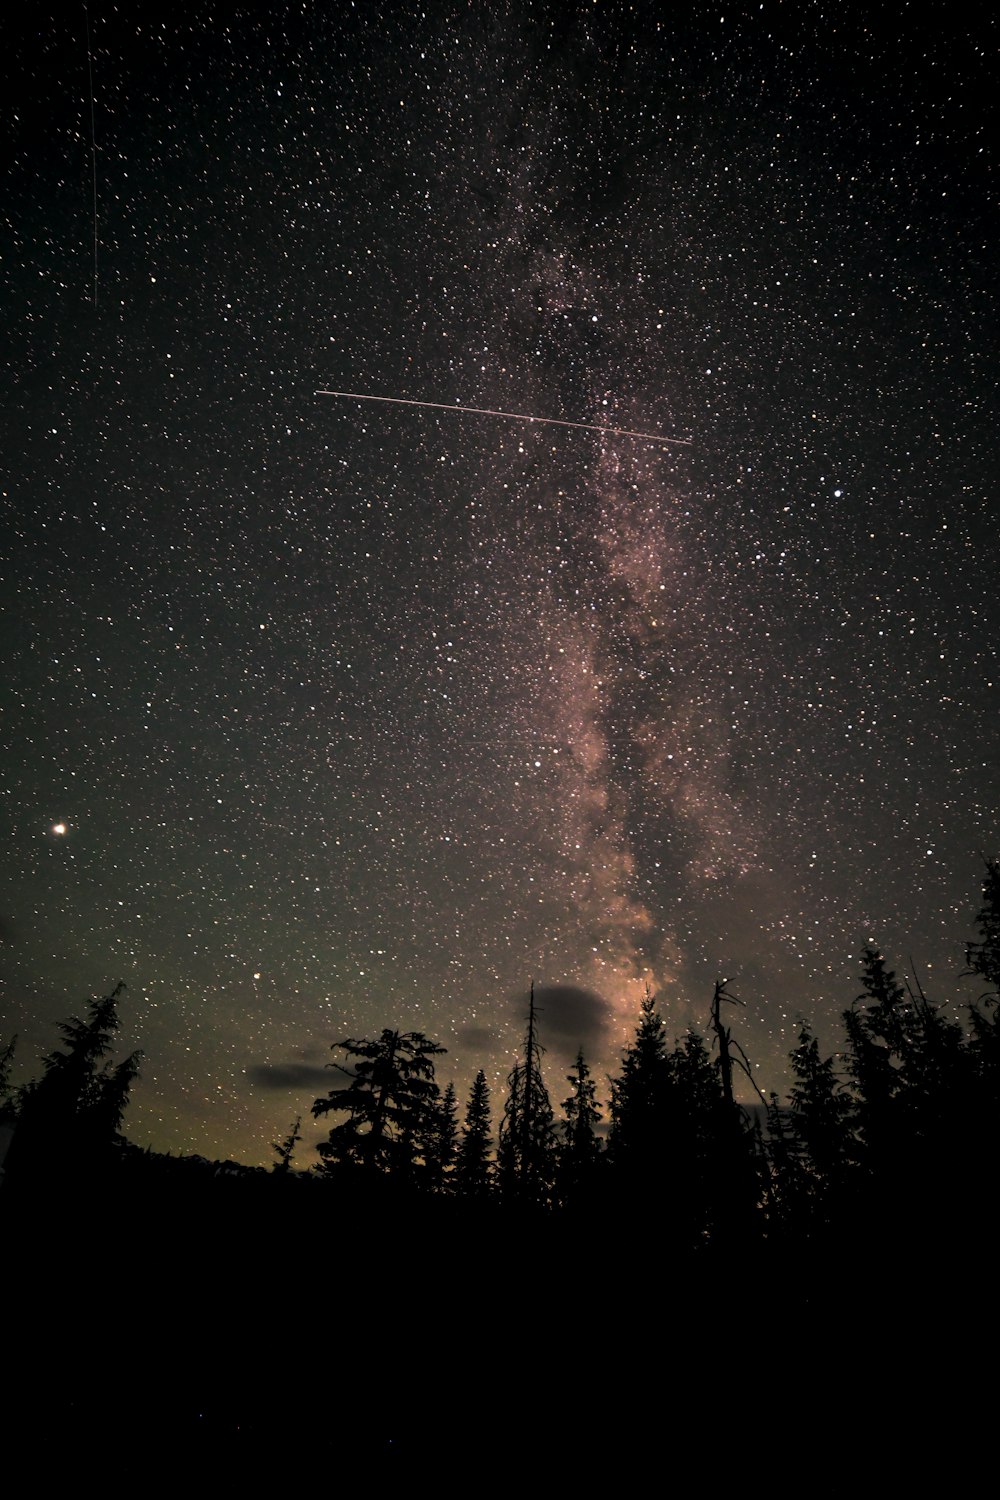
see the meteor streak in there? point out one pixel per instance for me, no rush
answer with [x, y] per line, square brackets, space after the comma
[512, 416]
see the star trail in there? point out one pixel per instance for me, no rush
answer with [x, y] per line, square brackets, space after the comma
[322, 716]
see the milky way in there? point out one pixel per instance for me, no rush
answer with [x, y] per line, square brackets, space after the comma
[322, 717]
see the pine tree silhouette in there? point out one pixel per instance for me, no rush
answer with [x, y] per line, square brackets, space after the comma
[440, 1142]
[389, 1102]
[982, 956]
[474, 1170]
[73, 1114]
[284, 1150]
[580, 1147]
[8, 1104]
[874, 1043]
[822, 1114]
[638, 1100]
[526, 1153]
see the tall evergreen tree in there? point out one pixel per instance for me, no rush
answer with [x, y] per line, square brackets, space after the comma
[473, 1169]
[907, 1064]
[109, 1099]
[74, 1112]
[580, 1147]
[789, 1185]
[713, 1184]
[982, 956]
[982, 1055]
[440, 1141]
[508, 1158]
[389, 1102]
[937, 1072]
[8, 1107]
[526, 1153]
[876, 1039]
[888, 1011]
[821, 1118]
[638, 1096]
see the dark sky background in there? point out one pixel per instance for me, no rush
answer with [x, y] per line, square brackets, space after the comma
[359, 715]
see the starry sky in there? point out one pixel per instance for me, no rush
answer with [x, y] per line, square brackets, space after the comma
[321, 716]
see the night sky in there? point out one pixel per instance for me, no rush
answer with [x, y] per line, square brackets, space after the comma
[322, 716]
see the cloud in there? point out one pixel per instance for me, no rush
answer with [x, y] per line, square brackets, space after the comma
[570, 1017]
[477, 1038]
[291, 1075]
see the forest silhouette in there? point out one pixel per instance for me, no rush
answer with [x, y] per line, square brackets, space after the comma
[440, 1270]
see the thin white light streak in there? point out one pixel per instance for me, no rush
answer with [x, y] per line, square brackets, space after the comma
[513, 416]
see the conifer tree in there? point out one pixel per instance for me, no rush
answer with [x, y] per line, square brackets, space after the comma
[284, 1150]
[789, 1185]
[638, 1095]
[526, 1153]
[473, 1170]
[981, 1055]
[74, 1112]
[507, 1144]
[105, 1114]
[937, 1073]
[876, 1038]
[982, 957]
[8, 1108]
[388, 1101]
[580, 1147]
[713, 1186]
[983, 961]
[905, 1060]
[440, 1143]
[887, 1012]
[821, 1118]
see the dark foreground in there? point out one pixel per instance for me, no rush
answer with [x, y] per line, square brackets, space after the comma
[270, 1329]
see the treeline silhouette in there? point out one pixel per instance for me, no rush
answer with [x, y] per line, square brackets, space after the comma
[855, 1192]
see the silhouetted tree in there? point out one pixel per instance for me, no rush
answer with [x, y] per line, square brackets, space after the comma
[474, 1170]
[724, 1040]
[284, 1150]
[821, 1116]
[713, 1186]
[911, 1074]
[741, 1171]
[580, 1147]
[74, 1112]
[388, 1102]
[936, 1072]
[440, 1141]
[526, 1152]
[888, 1010]
[982, 956]
[875, 1043]
[105, 1115]
[680, 1149]
[789, 1185]
[8, 1105]
[638, 1098]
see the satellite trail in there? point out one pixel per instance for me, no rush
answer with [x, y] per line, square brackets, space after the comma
[512, 416]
